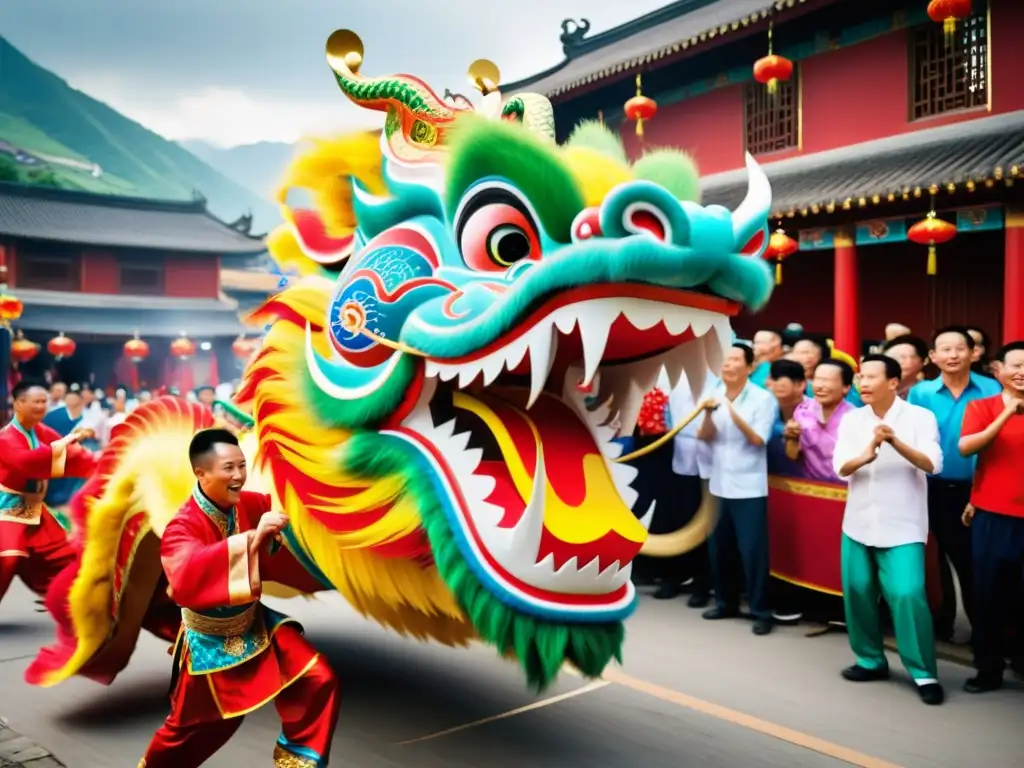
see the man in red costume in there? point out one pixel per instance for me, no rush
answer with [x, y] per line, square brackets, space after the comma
[234, 654]
[33, 545]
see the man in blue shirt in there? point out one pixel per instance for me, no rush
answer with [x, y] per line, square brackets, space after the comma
[789, 385]
[949, 492]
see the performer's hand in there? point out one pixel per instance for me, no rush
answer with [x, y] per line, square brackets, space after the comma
[271, 524]
[708, 404]
[968, 515]
[793, 430]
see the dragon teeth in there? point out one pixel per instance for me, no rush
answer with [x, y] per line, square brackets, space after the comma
[645, 521]
[543, 345]
[594, 320]
[594, 330]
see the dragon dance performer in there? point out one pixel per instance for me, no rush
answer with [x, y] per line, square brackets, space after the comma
[33, 545]
[234, 654]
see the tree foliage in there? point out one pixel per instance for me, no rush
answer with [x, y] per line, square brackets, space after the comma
[8, 169]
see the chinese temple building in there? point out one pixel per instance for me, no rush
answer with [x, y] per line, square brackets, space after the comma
[893, 142]
[100, 271]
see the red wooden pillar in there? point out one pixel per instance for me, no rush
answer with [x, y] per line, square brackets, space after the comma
[846, 322]
[1013, 282]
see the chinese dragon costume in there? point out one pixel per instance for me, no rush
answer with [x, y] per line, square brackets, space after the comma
[419, 403]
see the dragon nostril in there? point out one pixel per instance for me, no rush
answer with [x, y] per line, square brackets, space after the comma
[587, 225]
[642, 220]
[754, 245]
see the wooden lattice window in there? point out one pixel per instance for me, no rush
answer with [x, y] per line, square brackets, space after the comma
[48, 269]
[772, 119]
[141, 279]
[948, 77]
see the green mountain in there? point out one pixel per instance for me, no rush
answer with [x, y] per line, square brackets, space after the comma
[259, 167]
[55, 134]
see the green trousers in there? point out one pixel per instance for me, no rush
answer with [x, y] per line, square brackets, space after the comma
[897, 574]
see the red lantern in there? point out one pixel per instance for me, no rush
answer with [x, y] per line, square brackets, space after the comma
[949, 12]
[60, 346]
[183, 347]
[771, 69]
[23, 350]
[651, 419]
[931, 231]
[243, 348]
[780, 247]
[10, 308]
[640, 108]
[136, 350]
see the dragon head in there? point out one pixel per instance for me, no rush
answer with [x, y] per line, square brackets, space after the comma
[437, 401]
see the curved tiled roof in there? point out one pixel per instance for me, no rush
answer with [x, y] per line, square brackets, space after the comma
[947, 158]
[108, 220]
[667, 31]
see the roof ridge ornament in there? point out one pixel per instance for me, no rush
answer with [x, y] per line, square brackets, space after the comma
[573, 33]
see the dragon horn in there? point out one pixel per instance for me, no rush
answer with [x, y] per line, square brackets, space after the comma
[397, 95]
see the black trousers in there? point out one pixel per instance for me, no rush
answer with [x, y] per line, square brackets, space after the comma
[946, 502]
[684, 501]
[739, 548]
[998, 589]
[678, 498]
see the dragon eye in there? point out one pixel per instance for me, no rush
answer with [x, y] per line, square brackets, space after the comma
[495, 230]
[508, 244]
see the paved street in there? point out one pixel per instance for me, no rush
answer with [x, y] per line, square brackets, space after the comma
[692, 694]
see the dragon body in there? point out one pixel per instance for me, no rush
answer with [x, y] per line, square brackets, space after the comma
[479, 314]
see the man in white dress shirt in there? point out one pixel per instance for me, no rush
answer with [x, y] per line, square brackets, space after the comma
[887, 449]
[737, 424]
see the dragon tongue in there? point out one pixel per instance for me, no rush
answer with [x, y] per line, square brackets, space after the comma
[579, 504]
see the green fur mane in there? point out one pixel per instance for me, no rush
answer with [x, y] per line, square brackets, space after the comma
[598, 137]
[482, 148]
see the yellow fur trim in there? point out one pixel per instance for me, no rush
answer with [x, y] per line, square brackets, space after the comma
[595, 173]
[403, 595]
[326, 170]
[153, 478]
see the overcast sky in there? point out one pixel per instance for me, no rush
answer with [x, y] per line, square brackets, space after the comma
[239, 71]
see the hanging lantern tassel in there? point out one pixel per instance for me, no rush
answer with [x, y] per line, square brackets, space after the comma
[932, 231]
[949, 12]
[772, 68]
[780, 247]
[640, 108]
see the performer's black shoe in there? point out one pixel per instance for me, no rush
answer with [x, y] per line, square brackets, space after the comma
[666, 591]
[931, 694]
[716, 613]
[984, 682]
[763, 626]
[698, 600]
[859, 674]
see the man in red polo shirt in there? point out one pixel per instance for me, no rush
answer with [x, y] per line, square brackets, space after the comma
[993, 428]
